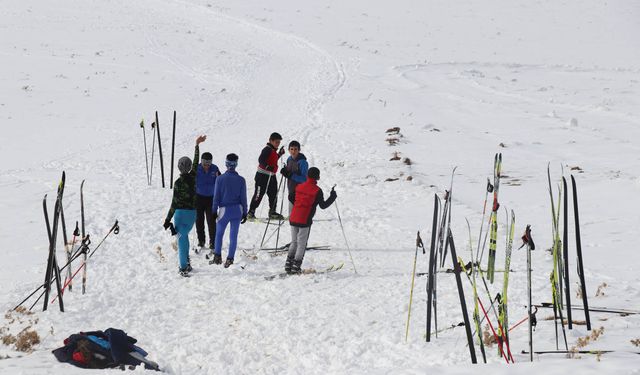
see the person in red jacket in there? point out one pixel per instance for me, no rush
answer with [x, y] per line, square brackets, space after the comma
[266, 178]
[305, 200]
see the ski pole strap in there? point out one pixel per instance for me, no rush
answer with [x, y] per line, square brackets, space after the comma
[526, 238]
[534, 320]
[489, 186]
[419, 243]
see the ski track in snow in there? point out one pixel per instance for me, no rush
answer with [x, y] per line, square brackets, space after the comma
[240, 81]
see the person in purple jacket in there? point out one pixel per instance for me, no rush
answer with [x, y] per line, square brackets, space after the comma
[206, 175]
[229, 207]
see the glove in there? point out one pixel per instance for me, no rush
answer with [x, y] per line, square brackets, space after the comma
[167, 224]
[244, 219]
[285, 173]
[281, 151]
[333, 194]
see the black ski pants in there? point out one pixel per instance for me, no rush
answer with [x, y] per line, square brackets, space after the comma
[204, 209]
[262, 180]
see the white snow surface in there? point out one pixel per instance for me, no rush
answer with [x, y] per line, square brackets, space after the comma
[541, 82]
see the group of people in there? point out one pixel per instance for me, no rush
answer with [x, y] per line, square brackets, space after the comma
[202, 193]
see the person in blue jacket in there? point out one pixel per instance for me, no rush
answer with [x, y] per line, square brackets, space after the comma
[229, 207]
[206, 175]
[295, 170]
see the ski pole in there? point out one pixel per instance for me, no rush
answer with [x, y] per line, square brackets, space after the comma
[144, 140]
[281, 210]
[345, 236]
[76, 233]
[269, 218]
[66, 241]
[528, 240]
[419, 245]
[82, 233]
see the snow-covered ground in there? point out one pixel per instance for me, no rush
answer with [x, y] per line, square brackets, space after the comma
[541, 82]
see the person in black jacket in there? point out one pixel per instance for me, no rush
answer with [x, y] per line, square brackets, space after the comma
[265, 180]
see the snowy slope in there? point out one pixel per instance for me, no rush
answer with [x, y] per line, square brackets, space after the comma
[554, 83]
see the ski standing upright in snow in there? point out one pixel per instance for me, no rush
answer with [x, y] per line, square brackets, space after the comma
[493, 238]
[583, 287]
[432, 265]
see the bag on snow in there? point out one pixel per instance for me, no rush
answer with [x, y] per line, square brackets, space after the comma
[99, 350]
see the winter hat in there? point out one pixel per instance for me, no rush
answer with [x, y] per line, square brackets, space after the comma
[207, 156]
[294, 144]
[184, 164]
[232, 161]
[314, 173]
[275, 136]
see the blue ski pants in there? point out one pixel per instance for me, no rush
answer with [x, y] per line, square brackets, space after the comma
[228, 215]
[183, 222]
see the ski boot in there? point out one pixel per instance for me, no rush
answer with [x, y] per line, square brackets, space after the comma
[251, 216]
[183, 272]
[275, 216]
[217, 259]
[228, 262]
[296, 267]
[288, 265]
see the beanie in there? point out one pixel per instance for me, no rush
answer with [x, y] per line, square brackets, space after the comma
[314, 173]
[232, 161]
[184, 164]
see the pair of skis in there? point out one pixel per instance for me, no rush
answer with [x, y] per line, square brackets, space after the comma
[53, 271]
[438, 247]
[308, 271]
[560, 272]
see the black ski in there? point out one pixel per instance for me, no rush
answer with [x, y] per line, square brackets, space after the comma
[565, 251]
[583, 286]
[432, 265]
[595, 352]
[463, 304]
[595, 309]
